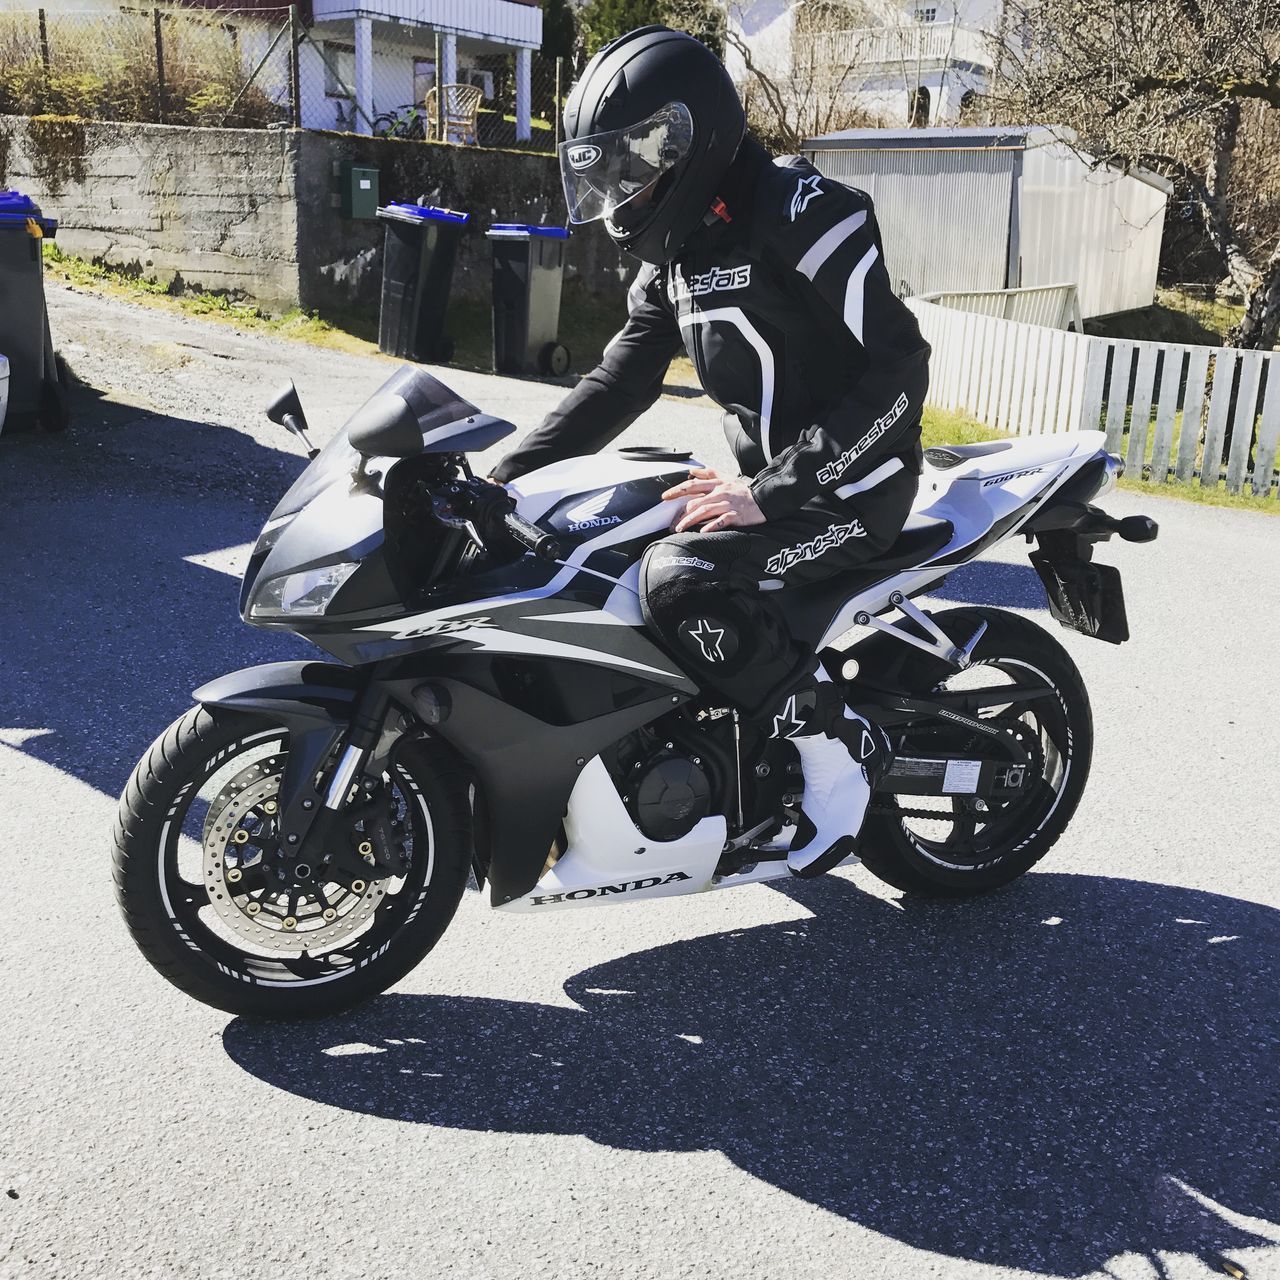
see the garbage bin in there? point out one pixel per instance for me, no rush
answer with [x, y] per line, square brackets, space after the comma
[417, 273]
[35, 395]
[528, 271]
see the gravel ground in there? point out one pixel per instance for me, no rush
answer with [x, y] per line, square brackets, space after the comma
[1076, 1077]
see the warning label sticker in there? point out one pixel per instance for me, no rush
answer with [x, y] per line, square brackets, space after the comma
[962, 777]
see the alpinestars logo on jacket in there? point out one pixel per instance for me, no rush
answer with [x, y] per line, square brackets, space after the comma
[834, 537]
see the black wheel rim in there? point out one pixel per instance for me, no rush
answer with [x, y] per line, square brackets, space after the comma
[964, 837]
[298, 961]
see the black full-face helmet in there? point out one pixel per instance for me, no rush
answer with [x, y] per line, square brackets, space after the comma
[651, 128]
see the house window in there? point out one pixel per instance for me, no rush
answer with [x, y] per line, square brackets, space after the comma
[483, 80]
[424, 78]
[339, 69]
[927, 15]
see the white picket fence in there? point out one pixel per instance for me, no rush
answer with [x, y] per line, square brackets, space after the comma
[1199, 407]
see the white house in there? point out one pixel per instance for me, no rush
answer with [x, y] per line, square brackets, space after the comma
[381, 55]
[364, 57]
[920, 63]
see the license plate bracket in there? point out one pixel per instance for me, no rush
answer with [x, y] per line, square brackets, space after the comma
[1084, 597]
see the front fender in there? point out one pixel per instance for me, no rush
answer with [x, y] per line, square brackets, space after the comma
[305, 693]
[313, 701]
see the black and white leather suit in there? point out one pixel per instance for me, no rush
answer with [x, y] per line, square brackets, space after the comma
[785, 307]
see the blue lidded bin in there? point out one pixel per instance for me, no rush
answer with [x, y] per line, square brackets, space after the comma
[35, 396]
[528, 276]
[421, 248]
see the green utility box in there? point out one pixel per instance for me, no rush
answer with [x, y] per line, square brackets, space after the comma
[359, 191]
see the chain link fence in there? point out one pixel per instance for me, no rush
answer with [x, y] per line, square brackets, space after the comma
[262, 68]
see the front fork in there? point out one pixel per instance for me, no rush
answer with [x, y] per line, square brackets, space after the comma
[310, 804]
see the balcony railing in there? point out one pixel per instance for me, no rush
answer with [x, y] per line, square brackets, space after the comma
[917, 44]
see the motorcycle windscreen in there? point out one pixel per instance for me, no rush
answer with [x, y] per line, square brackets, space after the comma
[448, 423]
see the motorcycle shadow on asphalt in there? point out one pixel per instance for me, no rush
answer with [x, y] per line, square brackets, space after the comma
[120, 597]
[996, 583]
[1070, 1070]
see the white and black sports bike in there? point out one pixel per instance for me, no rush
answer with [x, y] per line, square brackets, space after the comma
[301, 838]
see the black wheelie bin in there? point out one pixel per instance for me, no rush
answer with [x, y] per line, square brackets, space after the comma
[36, 397]
[528, 272]
[421, 246]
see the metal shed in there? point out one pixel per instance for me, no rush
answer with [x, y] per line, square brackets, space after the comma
[1004, 208]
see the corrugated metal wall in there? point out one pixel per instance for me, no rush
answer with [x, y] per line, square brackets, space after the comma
[1100, 229]
[944, 215]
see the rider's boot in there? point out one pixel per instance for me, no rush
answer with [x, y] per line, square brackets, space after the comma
[842, 757]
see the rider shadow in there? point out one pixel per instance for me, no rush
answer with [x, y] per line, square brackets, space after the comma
[1065, 1072]
[120, 596]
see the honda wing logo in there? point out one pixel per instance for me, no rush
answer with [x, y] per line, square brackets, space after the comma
[587, 515]
[583, 157]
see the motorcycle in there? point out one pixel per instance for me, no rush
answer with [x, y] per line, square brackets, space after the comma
[301, 838]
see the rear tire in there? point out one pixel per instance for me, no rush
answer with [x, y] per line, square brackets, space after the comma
[173, 919]
[899, 853]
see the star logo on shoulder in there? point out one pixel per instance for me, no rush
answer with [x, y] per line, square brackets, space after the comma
[807, 191]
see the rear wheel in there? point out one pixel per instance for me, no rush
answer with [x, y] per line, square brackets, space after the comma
[193, 867]
[958, 846]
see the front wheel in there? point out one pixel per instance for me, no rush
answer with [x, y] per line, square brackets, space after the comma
[193, 871]
[958, 846]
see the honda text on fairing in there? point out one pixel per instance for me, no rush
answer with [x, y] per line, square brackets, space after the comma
[301, 838]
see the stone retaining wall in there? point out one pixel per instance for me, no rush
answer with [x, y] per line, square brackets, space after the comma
[256, 212]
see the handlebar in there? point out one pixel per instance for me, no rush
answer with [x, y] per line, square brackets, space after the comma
[539, 541]
[490, 512]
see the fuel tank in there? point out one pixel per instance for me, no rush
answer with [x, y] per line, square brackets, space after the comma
[585, 500]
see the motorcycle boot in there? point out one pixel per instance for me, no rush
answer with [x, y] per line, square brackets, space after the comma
[842, 757]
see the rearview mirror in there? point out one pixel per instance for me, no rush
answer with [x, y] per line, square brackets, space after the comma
[285, 409]
[285, 403]
[385, 426]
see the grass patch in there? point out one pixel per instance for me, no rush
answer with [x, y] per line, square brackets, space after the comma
[359, 339]
[941, 426]
[1177, 315]
[1193, 492]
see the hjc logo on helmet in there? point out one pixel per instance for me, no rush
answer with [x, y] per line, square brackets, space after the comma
[583, 157]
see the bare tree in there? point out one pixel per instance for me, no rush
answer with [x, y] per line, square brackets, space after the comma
[1188, 88]
[809, 83]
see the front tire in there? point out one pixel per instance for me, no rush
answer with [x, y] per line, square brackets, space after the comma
[964, 851]
[194, 887]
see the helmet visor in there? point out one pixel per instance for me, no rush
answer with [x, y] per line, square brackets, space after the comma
[608, 170]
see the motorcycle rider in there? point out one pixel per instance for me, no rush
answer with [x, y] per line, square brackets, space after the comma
[772, 278]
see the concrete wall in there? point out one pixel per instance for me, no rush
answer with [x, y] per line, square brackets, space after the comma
[214, 207]
[255, 212]
[340, 259]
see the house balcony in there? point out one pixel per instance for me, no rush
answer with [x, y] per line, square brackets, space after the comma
[923, 46]
[515, 23]
[391, 52]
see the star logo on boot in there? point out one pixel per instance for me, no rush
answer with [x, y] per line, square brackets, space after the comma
[787, 724]
[708, 638]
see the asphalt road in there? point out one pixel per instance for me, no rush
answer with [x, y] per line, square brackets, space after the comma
[1076, 1077]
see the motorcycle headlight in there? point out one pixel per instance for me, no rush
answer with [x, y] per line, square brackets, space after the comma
[305, 594]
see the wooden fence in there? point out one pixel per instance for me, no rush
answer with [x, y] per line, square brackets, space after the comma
[1174, 411]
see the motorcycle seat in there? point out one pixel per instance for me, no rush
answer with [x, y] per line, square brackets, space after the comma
[809, 610]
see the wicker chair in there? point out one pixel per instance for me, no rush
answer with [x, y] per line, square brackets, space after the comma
[461, 107]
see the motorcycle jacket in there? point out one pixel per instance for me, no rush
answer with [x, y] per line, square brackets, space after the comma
[784, 305]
